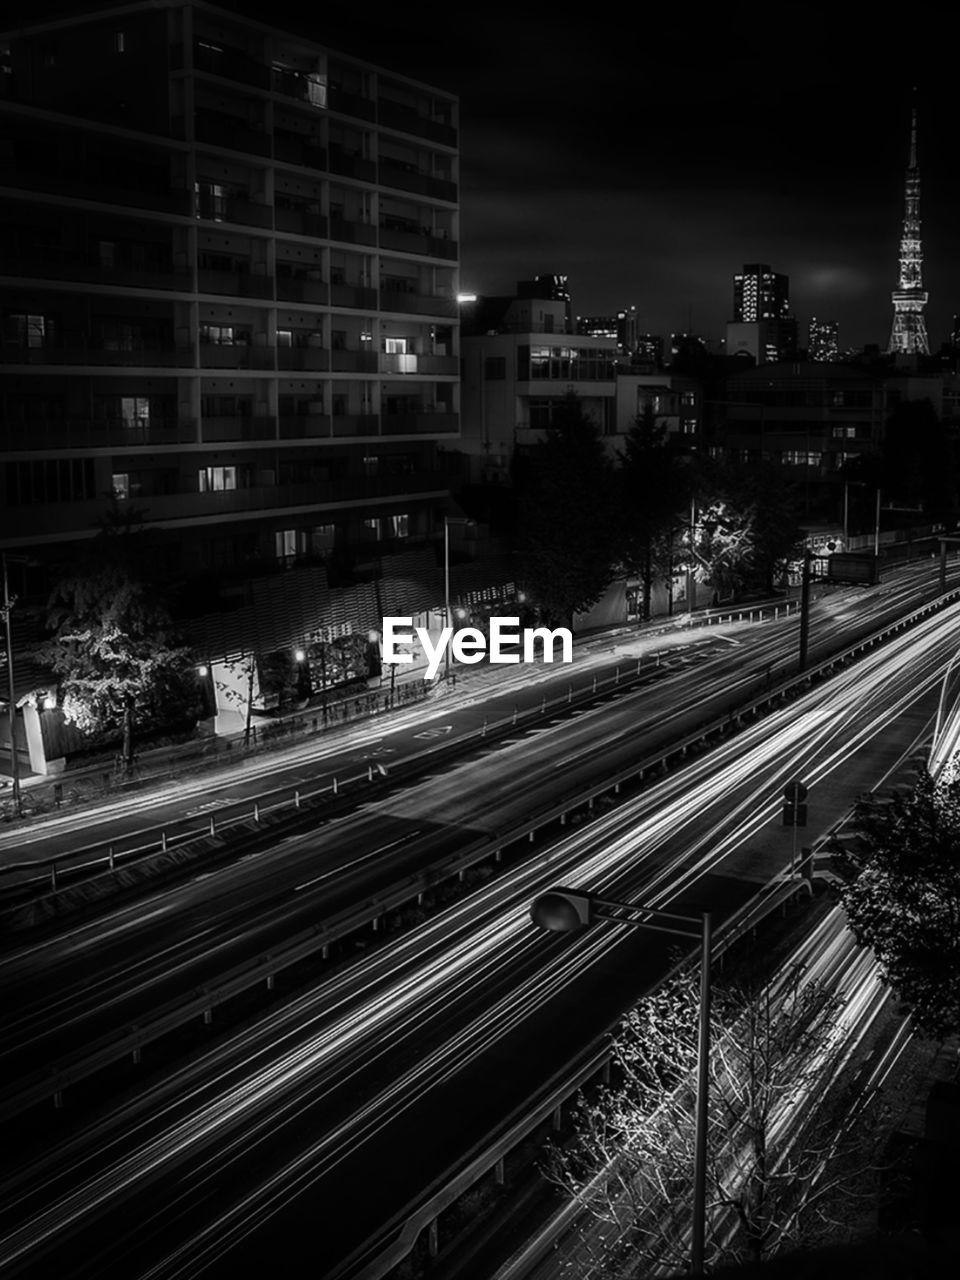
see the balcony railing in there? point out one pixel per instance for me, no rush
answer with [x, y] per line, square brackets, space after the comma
[305, 426]
[352, 232]
[356, 424]
[90, 271]
[238, 284]
[238, 427]
[86, 433]
[419, 364]
[408, 302]
[303, 222]
[220, 355]
[233, 135]
[420, 422]
[353, 295]
[350, 104]
[395, 116]
[231, 65]
[353, 361]
[147, 358]
[83, 187]
[406, 177]
[417, 242]
[313, 358]
[294, 289]
[350, 164]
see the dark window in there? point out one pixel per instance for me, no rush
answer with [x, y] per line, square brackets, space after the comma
[495, 368]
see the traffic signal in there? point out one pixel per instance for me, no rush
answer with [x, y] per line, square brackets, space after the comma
[561, 910]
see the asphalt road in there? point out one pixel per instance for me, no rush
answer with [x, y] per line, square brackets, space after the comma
[328, 1121]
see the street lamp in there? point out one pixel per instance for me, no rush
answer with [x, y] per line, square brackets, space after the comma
[8, 603]
[460, 521]
[565, 910]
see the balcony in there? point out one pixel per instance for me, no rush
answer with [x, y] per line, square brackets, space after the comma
[350, 104]
[355, 424]
[80, 186]
[302, 222]
[430, 364]
[406, 177]
[237, 284]
[238, 427]
[351, 164]
[296, 289]
[420, 423]
[233, 135]
[146, 358]
[353, 361]
[79, 433]
[89, 271]
[230, 64]
[394, 116]
[309, 357]
[417, 241]
[407, 302]
[305, 426]
[356, 296]
[222, 355]
[249, 213]
[352, 232]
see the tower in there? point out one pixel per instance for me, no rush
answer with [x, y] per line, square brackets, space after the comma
[909, 333]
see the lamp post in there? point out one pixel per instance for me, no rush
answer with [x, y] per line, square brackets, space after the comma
[14, 763]
[447, 522]
[565, 910]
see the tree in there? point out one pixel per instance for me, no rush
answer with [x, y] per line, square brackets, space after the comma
[567, 523]
[652, 488]
[902, 896]
[114, 646]
[782, 1155]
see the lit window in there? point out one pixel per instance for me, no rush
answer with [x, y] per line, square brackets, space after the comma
[119, 42]
[135, 410]
[121, 484]
[395, 346]
[28, 330]
[217, 479]
[284, 337]
[844, 433]
[370, 464]
[399, 526]
[223, 334]
[371, 527]
[689, 426]
[316, 89]
[801, 457]
[322, 538]
[689, 399]
[286, 543]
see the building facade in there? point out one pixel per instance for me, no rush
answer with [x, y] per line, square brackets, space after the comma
[520, 358]
[823, 340]
[230, 266]
[762, 326]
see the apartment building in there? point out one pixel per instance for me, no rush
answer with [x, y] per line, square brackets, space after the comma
[229, 269]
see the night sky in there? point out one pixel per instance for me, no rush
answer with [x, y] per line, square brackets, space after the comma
[647, 153]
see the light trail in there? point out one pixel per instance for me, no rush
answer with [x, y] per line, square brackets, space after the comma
[307, 1052]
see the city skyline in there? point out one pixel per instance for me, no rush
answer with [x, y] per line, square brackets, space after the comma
[648, 172]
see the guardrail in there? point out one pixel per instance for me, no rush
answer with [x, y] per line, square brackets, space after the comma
[250, 973]
[107, 856]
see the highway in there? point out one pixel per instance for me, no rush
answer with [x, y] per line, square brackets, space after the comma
[327, 1120]
[482, 694]
[93, 979]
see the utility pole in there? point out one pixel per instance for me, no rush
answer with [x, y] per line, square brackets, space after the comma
[805, 609]
[8, 603]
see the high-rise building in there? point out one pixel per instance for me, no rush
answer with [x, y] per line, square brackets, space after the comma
[909, 333]
[760, 293]
[229, 265]
[823, 340]
[762, 326]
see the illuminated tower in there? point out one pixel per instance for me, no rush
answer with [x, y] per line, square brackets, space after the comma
[909, 333]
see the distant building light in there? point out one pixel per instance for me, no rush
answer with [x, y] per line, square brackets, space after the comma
[50, 702]
[299, 655]
[202, 671]
[466, 297]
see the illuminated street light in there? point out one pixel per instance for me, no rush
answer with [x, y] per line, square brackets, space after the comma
[566, 910]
